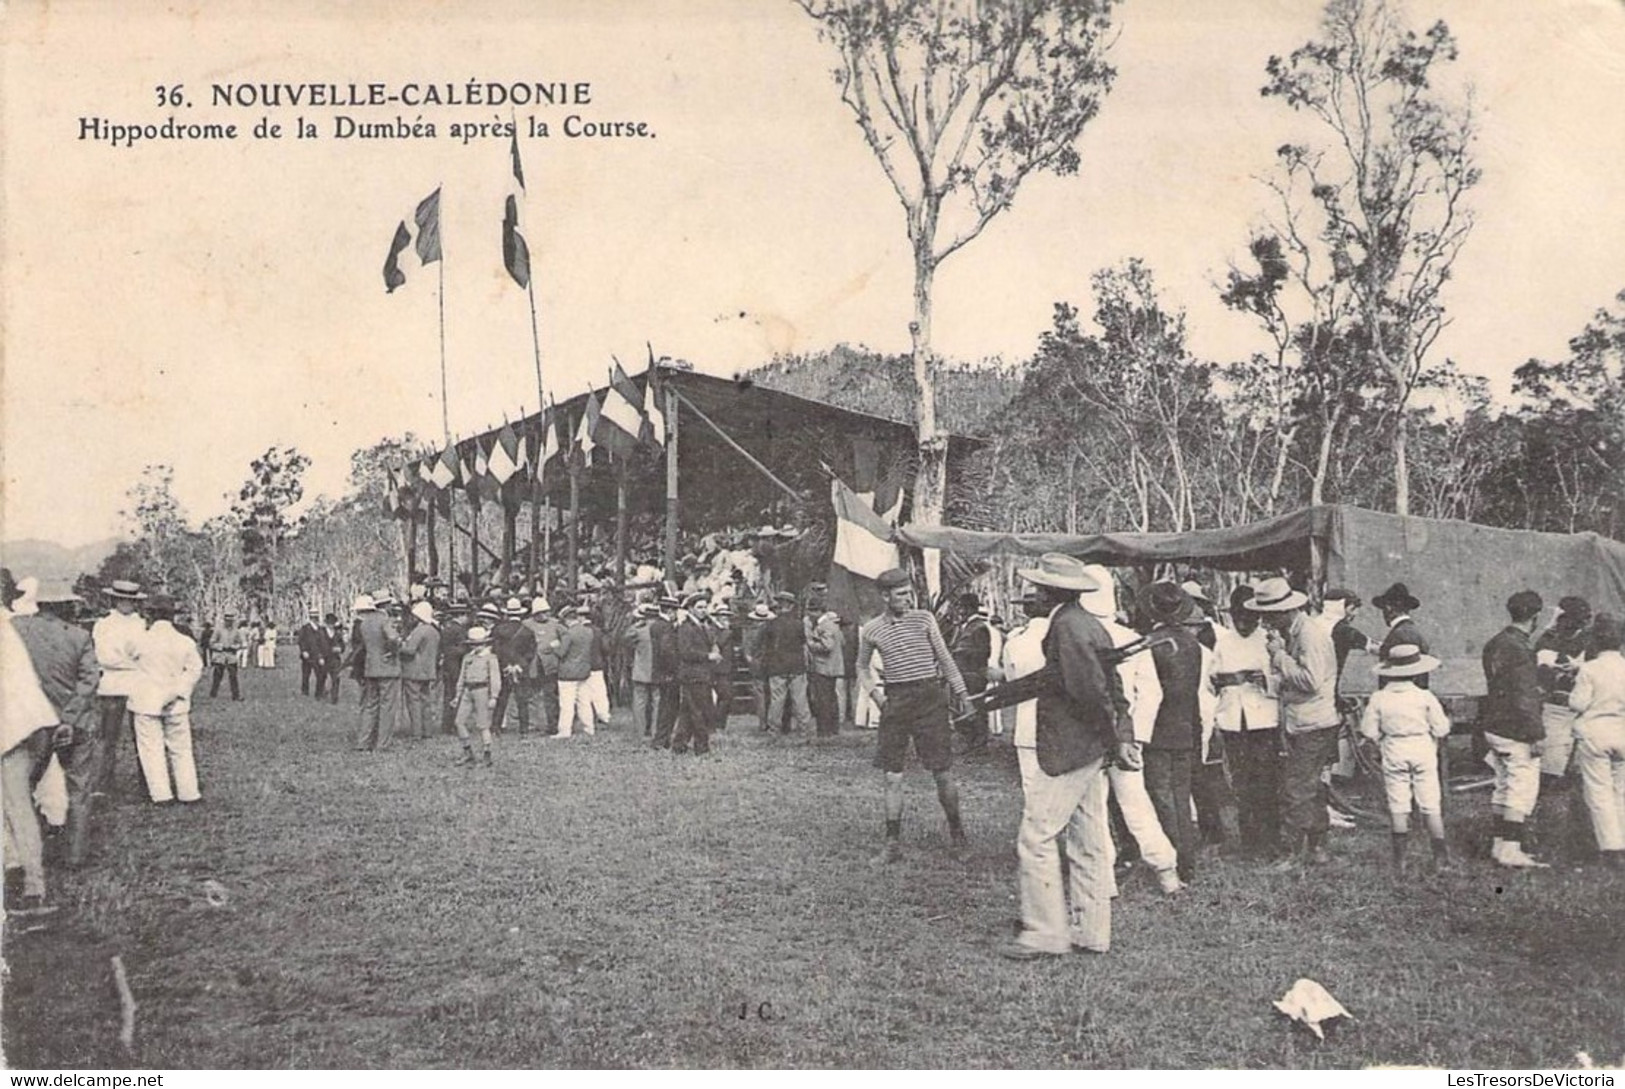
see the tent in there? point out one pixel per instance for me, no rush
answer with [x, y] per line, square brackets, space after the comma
[1463, 573]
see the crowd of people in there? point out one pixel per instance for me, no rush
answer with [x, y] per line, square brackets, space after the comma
[1140, 721]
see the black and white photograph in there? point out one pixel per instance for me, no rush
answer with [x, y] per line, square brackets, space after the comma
[964, 535]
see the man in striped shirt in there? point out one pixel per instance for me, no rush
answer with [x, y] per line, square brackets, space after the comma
[913, 705]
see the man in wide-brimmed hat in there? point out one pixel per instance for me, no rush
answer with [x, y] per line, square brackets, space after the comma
[378, 642]
[1247, 718]
[420, 664]
[752, 645]
[976, 646]
[515, 647]
[118, 641]
[1408, 722]
[914, 709]
[1396, 604]
[784, 651]
[1304, 662]
[226, 652]
[663, 666]
[544, 671]
[308, 639]
[1082, 723]
[64, 660]
[161, 702]
[1184, 716]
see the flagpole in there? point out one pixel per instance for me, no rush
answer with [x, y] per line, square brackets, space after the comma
[541, 401]
[445, 404]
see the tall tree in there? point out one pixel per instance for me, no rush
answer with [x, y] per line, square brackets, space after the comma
[961, 101]
[262, 511]
[1388, 183]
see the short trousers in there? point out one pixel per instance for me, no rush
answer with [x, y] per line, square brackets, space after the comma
[1410, 770]
[916, 711]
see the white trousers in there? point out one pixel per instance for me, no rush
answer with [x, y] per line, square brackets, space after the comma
[1558, 747]
[597, 697]
[164, 743]
[1517, 775]
[24, 846]
[1600, 755]
[1410, 769]
[1065, 809]
[576, 702]
[1141, 817]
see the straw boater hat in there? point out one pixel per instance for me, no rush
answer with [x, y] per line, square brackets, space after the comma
[1165, 603]
[363, 604]
[1397, 596]
[381, 598]
[767, 531]
[477, 636]
[785, 596]
[515, 607]
[1276, 596]
[1060, 571]
[1406, 660]
[1194, 589]
[760, 611]
[669, 602]
[124, 588]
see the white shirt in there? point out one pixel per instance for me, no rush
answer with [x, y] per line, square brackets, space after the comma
[1400, 709]
[169, 669]
[1141, 684]
[118, 651]
[1024, 654]
[1599, 689]
[1244, 706]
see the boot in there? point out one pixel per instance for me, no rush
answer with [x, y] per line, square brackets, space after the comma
[466, 760]
[487, 757]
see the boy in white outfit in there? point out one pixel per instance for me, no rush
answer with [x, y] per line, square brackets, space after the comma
[1409, 722]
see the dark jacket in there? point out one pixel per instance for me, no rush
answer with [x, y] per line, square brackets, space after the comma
[973, 644]
[309, 638]
[1179, 671]
[694, 646]
[784, 649]
[1079, 721]
[753, 644]
[1401, 634]
[64, 659]
[725, 639]
[1511, 705]
[514, 645]
[453, 642]
[664, 636]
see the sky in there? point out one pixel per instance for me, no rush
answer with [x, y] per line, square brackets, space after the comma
[192, 303]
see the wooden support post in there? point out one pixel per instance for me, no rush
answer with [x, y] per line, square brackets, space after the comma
[572, 569]
[669, 556]
[510, 518]
[434, 545]
[474, 553]
[621, 475]
[537, 579]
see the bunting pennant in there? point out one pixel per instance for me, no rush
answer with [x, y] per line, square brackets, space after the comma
[620, 422]
[506, 454]
[425, 471]
[654, 417]
[549, 440]
[444, 472]
[393, 276]
[427, 217]
[587, 428]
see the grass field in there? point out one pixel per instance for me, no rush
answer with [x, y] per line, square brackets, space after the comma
[593, 903]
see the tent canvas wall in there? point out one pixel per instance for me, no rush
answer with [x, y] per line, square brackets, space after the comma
[1463, 573]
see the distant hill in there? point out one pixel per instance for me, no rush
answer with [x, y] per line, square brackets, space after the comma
[49, 560]
[968, 395]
